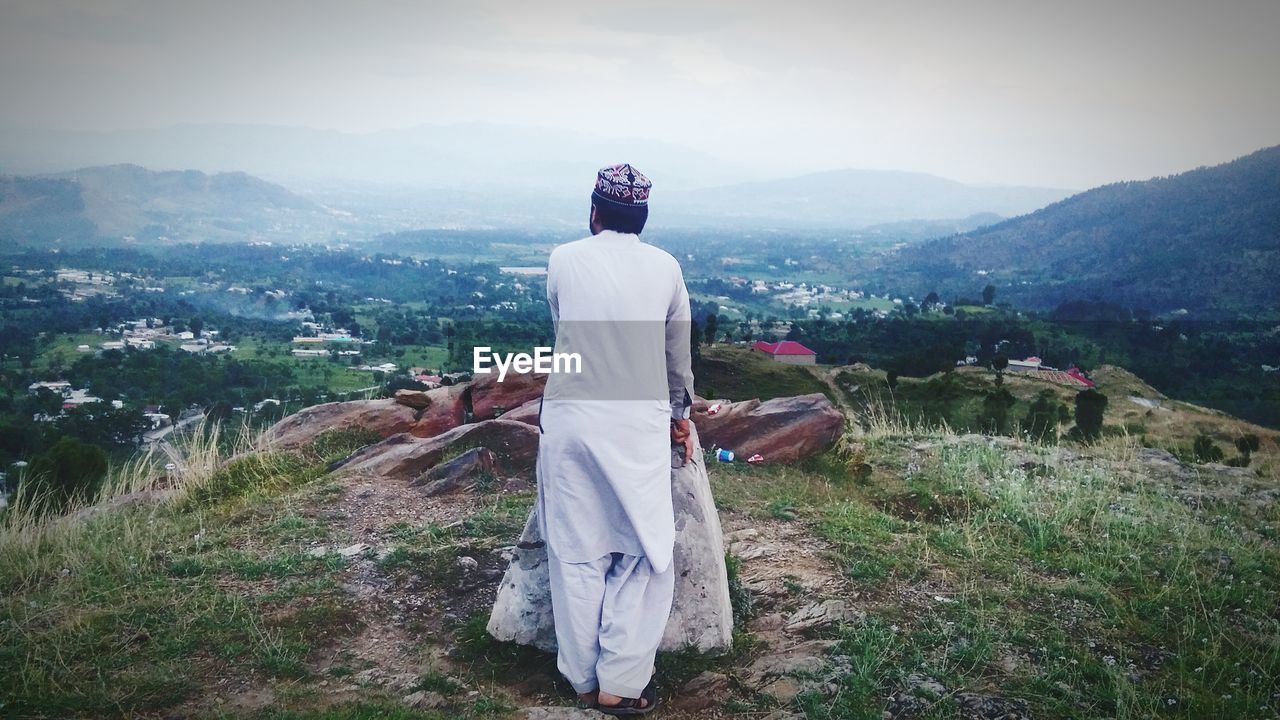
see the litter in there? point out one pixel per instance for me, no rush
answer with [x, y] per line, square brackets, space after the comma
[757, 458]
[713, 408]
[724, 455]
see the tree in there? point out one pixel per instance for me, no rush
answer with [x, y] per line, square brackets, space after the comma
[995, 411]
[67, 472]
[1090, 406]
[1000, 363]
[1248, 444]
[1041, 422]
[711, 327]
[1205, 450]
[988, 294]
[196, 325]
[931, 300]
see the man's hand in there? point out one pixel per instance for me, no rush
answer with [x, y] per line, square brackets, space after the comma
[680, 435]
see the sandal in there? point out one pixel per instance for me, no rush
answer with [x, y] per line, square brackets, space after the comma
[631, 706]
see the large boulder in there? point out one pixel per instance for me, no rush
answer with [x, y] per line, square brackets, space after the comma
[701, 616]
[421, 413]
[462, 472]
[442, 409]
[404, 457]
[486, 398]
[781, 430]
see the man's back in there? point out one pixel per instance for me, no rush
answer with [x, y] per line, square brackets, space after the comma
[612, 298]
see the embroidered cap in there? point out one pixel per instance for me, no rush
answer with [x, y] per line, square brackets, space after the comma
[623, 185]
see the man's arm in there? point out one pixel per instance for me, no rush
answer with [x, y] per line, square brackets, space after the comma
[553, 297]
[679, 363]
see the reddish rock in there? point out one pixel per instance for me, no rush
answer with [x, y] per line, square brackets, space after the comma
[488, 398]
[416, 399]
[459, 473]
[385, 417]
[407, 458]
[527, 413]
[781, 429]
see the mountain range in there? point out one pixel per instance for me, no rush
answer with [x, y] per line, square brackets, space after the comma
[485, 176]
[129, 201]
[1207, 239]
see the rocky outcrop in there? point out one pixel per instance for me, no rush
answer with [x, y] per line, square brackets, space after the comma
[441, 409]
[404, 457]
[781, 429]
[487, 398]
[527, 413]
[421, 413]
[701, 617]
[459, 473]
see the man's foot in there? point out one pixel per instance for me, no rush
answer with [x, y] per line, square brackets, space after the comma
[604, 699]
[610, 704]
[588, 699]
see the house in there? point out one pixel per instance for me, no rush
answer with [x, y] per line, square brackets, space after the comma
[787, 351]
[1078, 375]
[1031, 364]
[62, 387]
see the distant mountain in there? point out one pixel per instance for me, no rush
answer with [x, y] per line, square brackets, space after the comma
[851, 199]
[499, 159]
[121, 201]
[1208, 239]
[492, 175]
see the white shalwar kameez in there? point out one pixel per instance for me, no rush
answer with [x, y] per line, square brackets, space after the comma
[604, 456]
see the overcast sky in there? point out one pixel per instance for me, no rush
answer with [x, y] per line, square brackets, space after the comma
[1066, 94]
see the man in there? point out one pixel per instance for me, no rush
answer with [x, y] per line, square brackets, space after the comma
[605, 453]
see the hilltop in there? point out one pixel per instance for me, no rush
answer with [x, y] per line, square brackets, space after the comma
[1207, 239]
[909, 569]
[127, 201]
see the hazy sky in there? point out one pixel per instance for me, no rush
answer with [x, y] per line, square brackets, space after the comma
[1068, 94]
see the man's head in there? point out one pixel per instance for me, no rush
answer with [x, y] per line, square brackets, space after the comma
[620, 201]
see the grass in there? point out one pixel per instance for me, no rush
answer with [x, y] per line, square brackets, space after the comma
[1067, 579]
[1074, 584]
[132, 609]
[738, 373]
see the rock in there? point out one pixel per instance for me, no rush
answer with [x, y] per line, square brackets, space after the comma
[925, 686]
[384, 417]
[320, 551]
[822, 614]
[424, 700]
[781, 429]
[404, 457]
[804, 659]
[468, 564]
[416, 399]
[706, 690]
[486, 398]
[527, 413]
[421, 413]
[701, 617]
[458, 473]
[784, 689]
[991, 707]
[353, 550]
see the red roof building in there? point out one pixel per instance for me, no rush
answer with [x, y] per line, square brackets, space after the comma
[787, 351]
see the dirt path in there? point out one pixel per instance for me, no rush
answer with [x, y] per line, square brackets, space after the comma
[411, 598]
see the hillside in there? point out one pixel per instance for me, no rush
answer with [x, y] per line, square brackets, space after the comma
[908, 572]
[1135, 410]
[118, 201]
[1204, 240]
[847, 199]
